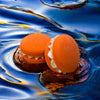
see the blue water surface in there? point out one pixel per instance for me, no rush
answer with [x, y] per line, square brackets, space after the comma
[19, 18]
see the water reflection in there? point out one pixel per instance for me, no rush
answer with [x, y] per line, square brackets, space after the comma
[25, 17]
[64, 4]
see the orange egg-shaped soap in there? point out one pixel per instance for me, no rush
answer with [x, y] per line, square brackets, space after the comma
[34, 44]
[29, 56]
[62, 54]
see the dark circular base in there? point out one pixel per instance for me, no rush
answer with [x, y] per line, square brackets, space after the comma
[26, 66]
[62, 4]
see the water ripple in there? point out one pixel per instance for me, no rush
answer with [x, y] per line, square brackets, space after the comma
[19, 19]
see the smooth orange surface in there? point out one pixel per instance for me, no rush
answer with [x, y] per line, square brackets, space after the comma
[34, 44]
[65, 54]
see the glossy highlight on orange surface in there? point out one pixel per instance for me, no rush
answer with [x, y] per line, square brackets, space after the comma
[34, 44]
[65, 54]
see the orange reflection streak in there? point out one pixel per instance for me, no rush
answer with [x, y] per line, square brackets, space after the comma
[32, 13]
[23, 25]
[85, 38]
[21, 82]
[42, 93]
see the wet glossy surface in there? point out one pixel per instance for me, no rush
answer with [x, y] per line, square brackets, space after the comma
[64, 4]
[19, 18]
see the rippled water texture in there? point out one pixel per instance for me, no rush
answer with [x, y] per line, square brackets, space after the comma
[18, 18]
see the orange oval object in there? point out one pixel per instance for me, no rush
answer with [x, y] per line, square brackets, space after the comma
[65, 54]
[34, 44]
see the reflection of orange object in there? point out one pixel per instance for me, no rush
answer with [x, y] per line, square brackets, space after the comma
[33, 47]
[65, 54]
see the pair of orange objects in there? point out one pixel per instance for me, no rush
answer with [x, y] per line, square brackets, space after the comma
[64, 50]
